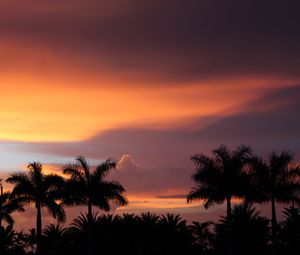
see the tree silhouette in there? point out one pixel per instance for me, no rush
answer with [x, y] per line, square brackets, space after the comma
[102, 228]
[41, 190]
[89, 188]
[290, 234]
[174, 236]
[81, 223]
[54, 239]
[128, 234]
[246, 229]
[6, 239]
[148, 232]
[203, 235]
[172, 222]
[221, 177]
[8, 205]
[274, 181]
[79, 230]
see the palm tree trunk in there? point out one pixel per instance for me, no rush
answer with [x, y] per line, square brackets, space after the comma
[38, 228]
[90, 234]
[228, 201]
[274, 220]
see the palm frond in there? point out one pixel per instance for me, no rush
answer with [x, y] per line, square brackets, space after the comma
[55, 209]
[84, 165]
[80, 223]
[201, 160]
[105, 191]
[243, 152]
[74, 171]
[54, 230]
[222, 155]
[209, 195]
[23, 184]
[103, 169]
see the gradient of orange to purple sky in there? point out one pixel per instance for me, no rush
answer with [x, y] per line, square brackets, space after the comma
[148, 83]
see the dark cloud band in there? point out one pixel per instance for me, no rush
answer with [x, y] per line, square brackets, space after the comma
[164, 40]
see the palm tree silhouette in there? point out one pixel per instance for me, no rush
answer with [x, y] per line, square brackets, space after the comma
[275, 181]
[80, 223]
[220, 177]
[148, 232]
[174, 236]
[246, 229]
[54, 239]
[80, 230]
[203, 235]
[172, 221]
[8, 205]
[89, 188]
[290, 234]
[42, 191]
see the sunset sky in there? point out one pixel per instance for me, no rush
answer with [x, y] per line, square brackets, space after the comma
[147, 83]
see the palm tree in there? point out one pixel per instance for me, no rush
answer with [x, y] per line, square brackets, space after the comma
[172, 221]
[246, 232]
[275, 181]
[8, 205]
[54, 231]
[148, 232]
[41, 190]
[54, 239]
[220, 177]
[174, 235]
[80, 223]
[203, 235]
[290, 234]
[89, 188]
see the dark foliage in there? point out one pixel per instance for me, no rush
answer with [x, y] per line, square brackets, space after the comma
[290, 231]
[272, 181]
[221, 177]
[244, 233]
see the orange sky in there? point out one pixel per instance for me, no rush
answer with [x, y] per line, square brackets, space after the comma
[33, 108]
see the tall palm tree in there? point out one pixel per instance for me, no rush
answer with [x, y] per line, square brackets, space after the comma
[86, 187]
[41, 190]
[221, 177]
[275, 181]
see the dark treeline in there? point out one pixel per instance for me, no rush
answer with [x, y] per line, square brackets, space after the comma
[219, 178]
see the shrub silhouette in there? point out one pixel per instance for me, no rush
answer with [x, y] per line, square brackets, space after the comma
[247, 230]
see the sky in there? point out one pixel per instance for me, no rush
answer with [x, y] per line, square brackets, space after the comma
[149, 84]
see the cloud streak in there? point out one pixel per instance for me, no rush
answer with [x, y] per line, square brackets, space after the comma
[175, 41]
